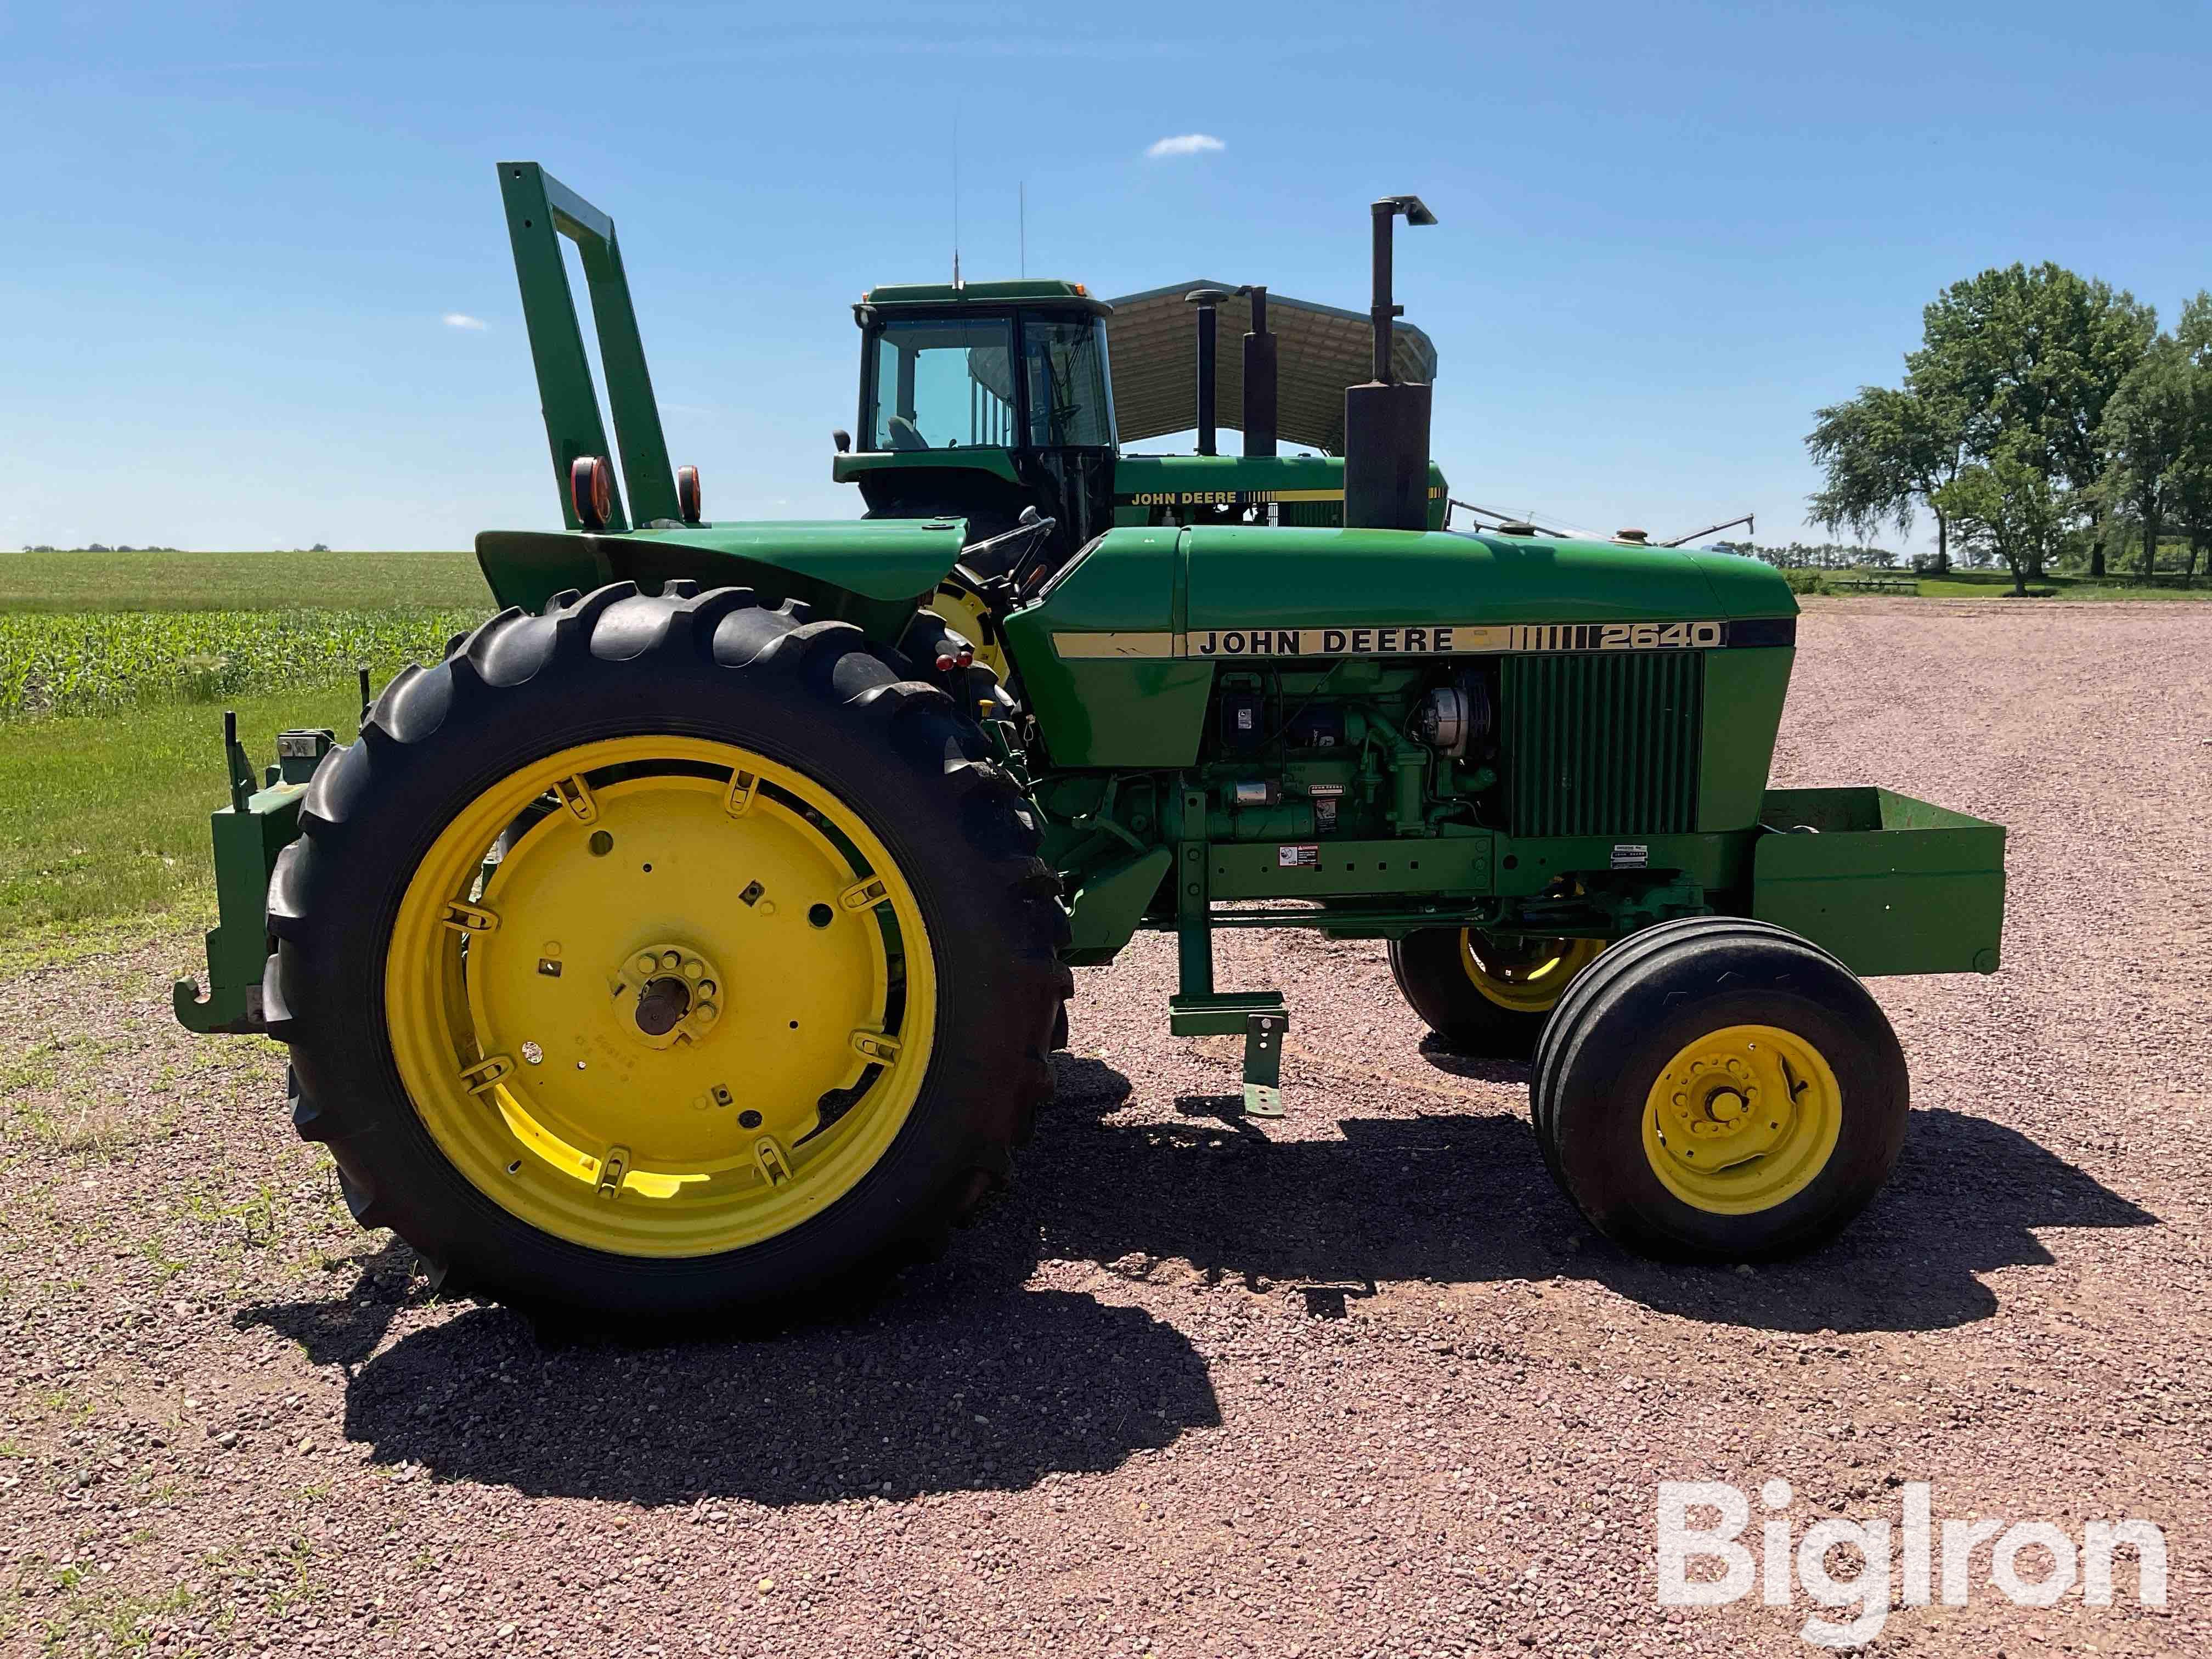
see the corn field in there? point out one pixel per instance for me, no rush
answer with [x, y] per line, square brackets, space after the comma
[87, 663]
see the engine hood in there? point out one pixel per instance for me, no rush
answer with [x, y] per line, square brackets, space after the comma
[1241, 578]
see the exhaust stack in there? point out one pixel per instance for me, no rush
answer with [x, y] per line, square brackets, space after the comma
[1206, 300]
[1259, 377]
[1386, 421]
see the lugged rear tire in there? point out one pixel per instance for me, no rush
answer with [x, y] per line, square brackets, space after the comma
[870, 759]
[1728, 1040]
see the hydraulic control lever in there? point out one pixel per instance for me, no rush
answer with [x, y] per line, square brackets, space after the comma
[1004, 554]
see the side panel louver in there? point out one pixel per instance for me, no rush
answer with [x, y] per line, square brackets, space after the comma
[1602, 744]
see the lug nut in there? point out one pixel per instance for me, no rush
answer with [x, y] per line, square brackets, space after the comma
[647, 962]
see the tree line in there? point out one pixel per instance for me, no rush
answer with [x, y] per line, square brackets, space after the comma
[98, 547]
[2045, 420]
[1815, 555]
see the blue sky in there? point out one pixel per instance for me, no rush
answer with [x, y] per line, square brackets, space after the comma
[232, 235]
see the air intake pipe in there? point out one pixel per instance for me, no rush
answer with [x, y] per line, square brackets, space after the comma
[1385, 421]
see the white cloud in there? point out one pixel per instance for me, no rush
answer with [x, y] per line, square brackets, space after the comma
[462, 320]
[1185, 144]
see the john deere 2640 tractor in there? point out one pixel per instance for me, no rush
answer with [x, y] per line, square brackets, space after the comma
[696, 934]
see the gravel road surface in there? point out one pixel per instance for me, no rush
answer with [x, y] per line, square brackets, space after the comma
[1354, 1383]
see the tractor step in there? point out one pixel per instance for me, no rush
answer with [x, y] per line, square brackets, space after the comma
[1260, 1016]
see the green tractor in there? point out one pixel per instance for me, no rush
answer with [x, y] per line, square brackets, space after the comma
[696, 936]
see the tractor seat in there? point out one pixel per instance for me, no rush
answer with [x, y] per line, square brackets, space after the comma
[905, 436]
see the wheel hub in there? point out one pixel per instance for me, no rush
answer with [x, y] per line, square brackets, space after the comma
[1742, 1118]
[666, 995]
[1712, 1098]
[660, 1004]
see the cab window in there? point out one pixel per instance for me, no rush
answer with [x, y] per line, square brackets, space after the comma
[1065, 359]
[942, 384]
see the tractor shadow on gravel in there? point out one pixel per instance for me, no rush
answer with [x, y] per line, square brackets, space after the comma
[987, 1384]
[1464, 1197]
[959, 1379]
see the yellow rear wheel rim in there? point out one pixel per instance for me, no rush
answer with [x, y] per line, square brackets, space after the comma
[1742, 1119]
[1525, 975]
[689, 1006]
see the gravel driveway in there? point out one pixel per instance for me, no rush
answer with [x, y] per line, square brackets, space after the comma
[1356, 1382]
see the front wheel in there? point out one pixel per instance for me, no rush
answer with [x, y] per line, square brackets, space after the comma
[1486, 994]
[1719, 1089]
[660, 957]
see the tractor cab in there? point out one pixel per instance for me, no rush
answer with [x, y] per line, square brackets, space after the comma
[988, 400]
[979, 401]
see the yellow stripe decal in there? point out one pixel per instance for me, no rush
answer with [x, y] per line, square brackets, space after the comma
[1075, 648]
[1401, 640]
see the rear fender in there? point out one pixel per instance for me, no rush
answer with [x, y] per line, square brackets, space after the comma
[872, 572]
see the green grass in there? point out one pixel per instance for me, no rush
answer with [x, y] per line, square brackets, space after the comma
[240, 581]
[104, 820]
[1976, 585]
[1986, 584]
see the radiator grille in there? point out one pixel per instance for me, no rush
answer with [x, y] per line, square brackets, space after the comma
[1601, 744]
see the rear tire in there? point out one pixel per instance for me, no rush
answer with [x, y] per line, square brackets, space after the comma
[1718, 1089]
[860, 770]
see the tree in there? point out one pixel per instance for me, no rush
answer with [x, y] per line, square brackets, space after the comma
[2189, 492]
[2190, 500]
[1887, 451]
[2149, 429]
[2034, 358]
[2005, 506]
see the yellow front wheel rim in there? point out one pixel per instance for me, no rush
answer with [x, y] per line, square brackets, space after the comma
[1525, 975]
[962, 611]
[1742, 1119]
[660, 996]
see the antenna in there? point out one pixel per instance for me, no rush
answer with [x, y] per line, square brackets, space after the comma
[955, 196]
[1022, 220]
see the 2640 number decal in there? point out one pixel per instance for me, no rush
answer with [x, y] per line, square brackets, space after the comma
[1658, 636]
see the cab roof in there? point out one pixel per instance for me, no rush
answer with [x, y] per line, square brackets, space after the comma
[1039, 291]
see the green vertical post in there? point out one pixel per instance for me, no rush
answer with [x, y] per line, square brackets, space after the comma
[1193, 913]
[565, 393]
[540, 210]
[645, 466]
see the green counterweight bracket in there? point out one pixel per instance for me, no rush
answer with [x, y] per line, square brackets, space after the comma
[1197, 1009]
[1260, 1015]
[248, 834]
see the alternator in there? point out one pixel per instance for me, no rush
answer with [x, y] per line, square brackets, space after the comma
[1452, 717]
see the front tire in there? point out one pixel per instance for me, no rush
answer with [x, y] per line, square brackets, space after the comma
[662, 956]
[1485, 995]
[1721, 1089]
